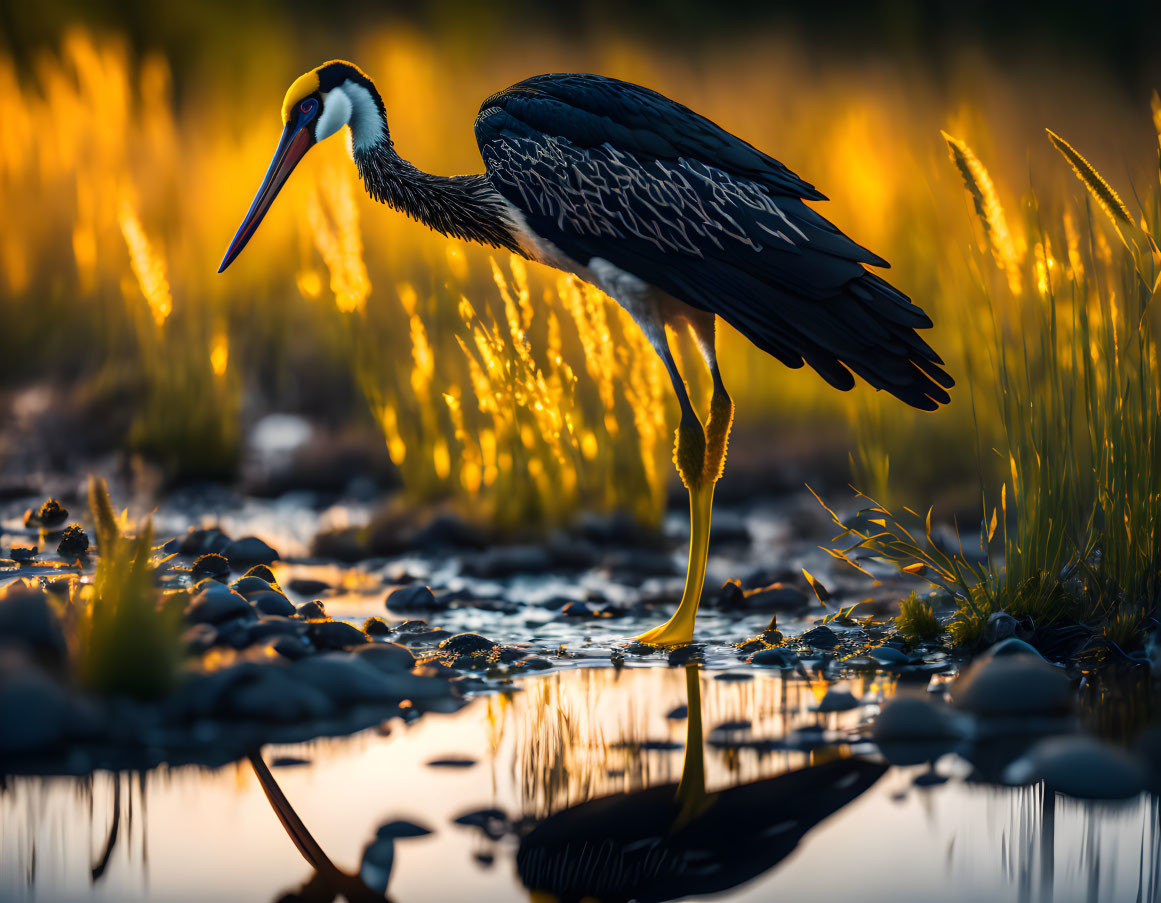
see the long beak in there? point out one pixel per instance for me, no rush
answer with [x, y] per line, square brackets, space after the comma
[295, 142]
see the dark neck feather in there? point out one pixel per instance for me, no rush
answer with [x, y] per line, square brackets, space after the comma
[465, 207]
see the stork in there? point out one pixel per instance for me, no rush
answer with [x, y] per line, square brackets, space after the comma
[675, 218]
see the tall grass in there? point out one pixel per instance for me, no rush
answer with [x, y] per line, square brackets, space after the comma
[126, 634]
[1076, 533]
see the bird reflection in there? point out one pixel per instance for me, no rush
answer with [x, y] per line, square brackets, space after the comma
[673, 841]
[328, 880]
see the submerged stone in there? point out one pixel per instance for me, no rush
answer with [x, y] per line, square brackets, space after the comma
[1013, 685]
[1080, 766]
[775, 658]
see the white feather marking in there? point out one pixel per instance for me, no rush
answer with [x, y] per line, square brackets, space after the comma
[336, 113]
[351, 104]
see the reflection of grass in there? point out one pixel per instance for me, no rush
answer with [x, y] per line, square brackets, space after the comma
[126, 634]
[1079, 395]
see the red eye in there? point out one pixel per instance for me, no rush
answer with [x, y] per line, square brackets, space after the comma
[306, 106]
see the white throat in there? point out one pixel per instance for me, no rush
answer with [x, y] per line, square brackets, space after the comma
[351, 104]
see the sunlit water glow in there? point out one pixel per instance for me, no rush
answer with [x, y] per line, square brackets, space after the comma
[537, 755]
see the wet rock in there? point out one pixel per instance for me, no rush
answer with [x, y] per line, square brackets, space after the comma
[536, 663]
[1080, 766]
[837, 701]
[274, 696]
[274, 625]
[262, 572]
[51, 515]
[346, 678]
[774, 598]
[331, 634]
[415, 597]
[752, 645]
[467, 644]
[888, 656]
[35, 712]
[312, 611]
[425, 637]
[1000, 626]
[1012, 686]
[307, 587]
[387, 656]
[211, 565]
[683, 655]
[249, 584]
[578, 609]
[731, 596]
[505, 561]
[24, 555]
[249, 550]
[292, 648]
[201, 542]
[29, 621]
[272, 602]
[412, 625]
[375, 627]
[215, 604]
[74, 543]
[1012, 646]
[775, 658]
[820, 637]
[199, 638]
[907, 717]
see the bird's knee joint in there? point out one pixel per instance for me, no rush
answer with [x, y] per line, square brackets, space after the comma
[689, 451]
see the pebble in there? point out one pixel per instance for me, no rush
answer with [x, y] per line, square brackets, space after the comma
[249, 584]
[29, 620]
[906, 718]
[199, 542]
[414, 597]
[467, 644]
[312, 611]
[1012, 686]
[820, 637]
[272, 602]
[263, 572]
[376, 627]
[34, 711]
[216, 604]
[249, 550]
[386, 656]
[273, 695]
[1000, 626]
[536, 663]
[331, 634]
[211, 565]
[1012, 646]
[51, 515]
[1080, 766]
[307, 587]
[683, 655]
[346, 678]
[775, 658]
[74, 543]
[888, 655]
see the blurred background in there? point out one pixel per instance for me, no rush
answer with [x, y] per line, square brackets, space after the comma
[348, 343]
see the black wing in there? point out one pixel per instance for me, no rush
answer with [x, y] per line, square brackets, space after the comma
[603, 168]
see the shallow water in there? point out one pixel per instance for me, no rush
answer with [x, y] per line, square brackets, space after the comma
[783, 803]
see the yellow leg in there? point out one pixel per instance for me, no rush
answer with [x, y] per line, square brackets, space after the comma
[692, 799]
[679, 629]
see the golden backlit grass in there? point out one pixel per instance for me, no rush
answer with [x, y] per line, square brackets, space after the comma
[523, 394]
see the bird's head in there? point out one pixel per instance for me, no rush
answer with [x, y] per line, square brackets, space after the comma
[316, 106]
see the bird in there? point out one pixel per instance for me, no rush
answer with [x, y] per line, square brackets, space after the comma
[675, 218]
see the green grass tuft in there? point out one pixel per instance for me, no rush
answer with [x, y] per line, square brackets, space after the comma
[916, 620]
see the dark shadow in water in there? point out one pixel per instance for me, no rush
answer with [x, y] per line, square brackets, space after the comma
[328, 880]
[678, 840]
